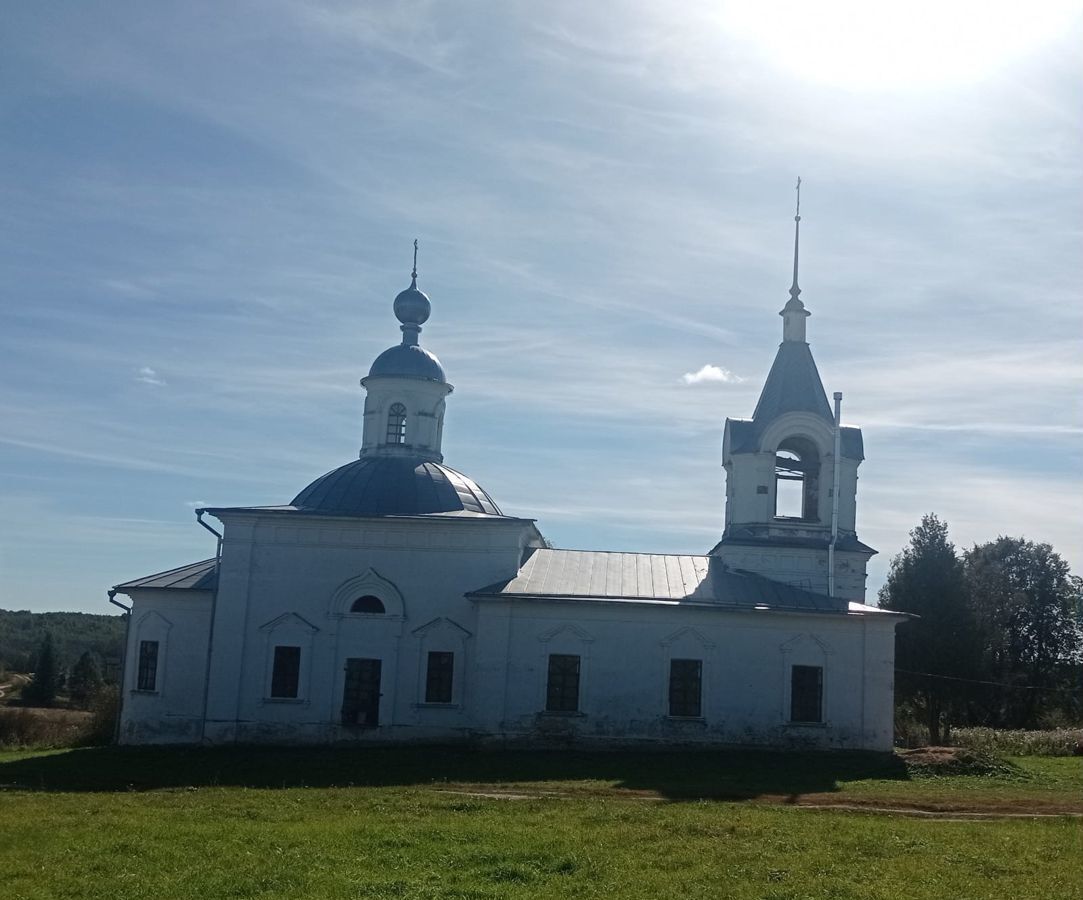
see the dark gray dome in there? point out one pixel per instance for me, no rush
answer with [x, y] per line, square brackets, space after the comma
[394, 486]
[410, 360]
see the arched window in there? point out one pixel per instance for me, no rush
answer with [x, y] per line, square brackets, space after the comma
[797, 480]
[367, 604]
[396, 424]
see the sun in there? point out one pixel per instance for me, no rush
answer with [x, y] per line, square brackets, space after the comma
[872, 44]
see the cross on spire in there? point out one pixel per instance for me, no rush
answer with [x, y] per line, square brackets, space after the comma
[413, 273]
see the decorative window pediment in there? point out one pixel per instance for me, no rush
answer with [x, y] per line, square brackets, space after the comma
[442, 624]
[370, 584]
[566, 631]
[687, 634]
[806, 642]
[287, 620]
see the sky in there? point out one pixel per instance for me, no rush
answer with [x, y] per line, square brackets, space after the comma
[206, 210]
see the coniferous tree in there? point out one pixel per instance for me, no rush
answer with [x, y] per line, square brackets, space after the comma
[941, 643]
[42, 690]
[85, 681]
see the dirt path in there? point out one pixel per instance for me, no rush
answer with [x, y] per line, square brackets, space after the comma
[894, 807]
[15, 681]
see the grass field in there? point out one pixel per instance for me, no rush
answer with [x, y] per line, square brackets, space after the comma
[447, 822]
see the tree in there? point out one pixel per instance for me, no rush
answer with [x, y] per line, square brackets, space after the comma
[42, 690]
[927, 579]
[85, 681]
[1027, 605]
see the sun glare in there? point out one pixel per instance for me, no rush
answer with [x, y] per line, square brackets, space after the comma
[871, 44]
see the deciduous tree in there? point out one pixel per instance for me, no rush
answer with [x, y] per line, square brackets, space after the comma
[927, 579]
[1026, 604]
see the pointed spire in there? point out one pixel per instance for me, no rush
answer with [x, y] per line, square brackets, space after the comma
[413, 272]
[794, 312]
[794, 289]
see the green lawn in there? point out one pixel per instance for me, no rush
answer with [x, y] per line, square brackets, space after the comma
[404, 823]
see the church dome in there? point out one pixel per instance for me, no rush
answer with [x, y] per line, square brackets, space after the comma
[394, 486]
[410, 360]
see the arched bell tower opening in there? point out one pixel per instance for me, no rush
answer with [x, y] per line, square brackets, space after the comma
[797, 480]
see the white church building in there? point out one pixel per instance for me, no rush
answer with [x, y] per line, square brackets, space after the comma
[391, 600]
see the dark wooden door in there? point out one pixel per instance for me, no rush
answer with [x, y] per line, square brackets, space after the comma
[361, 693]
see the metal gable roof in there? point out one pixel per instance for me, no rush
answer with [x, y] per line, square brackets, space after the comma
[646, 577]
[199, 576]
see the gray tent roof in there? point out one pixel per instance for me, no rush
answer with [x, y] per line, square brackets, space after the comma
[646, 577]
[792, 385]
[198, 576]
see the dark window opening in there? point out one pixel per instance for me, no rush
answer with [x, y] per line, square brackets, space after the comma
[439, 677]
[797, 480]
[806, 694]
[396, 424]
[685, 687]
[147, 677]
[286, 672]
[562, 686]
[368, 604]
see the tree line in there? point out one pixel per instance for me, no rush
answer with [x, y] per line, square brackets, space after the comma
[997, 638]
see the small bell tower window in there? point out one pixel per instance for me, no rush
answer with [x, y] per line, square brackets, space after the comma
[797, 480]
[396, 424]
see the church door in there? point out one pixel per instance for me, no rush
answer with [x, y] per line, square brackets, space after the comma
[361, 693]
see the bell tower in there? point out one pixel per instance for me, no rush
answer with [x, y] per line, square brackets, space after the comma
[406, 388]
[791, 473]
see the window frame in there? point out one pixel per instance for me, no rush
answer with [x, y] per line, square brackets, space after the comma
[277, 690]
[440, 679]
[676, 689]
[802, 696]
[560, 685]
[142, 683]
[382, 611]
[395, 435]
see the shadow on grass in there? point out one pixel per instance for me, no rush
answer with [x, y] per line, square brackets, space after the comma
[687, 774]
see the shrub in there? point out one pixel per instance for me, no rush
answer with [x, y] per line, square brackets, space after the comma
[37, 728]
[1053, 742]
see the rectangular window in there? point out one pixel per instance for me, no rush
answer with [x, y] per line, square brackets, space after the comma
[439, 677]
[562, 687]
[147, 679]
[806, 694]
[685, 687]
[286, 672]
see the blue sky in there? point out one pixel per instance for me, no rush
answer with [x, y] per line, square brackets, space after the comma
[207, 209]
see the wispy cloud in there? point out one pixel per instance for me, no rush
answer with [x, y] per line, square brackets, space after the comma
[147, 375]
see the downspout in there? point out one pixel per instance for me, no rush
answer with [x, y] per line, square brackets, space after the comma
[210, 630]
[123, 661]
[834, 498]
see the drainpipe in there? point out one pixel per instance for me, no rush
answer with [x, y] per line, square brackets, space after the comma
[834, 499]
[210, 630]
[123, 661]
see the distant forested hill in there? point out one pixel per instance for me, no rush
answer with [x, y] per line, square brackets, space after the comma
[73, 633]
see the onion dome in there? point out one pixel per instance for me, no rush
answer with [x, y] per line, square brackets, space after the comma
[394, 486]
[412, 309]
[409, 360]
